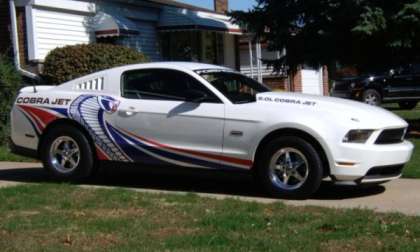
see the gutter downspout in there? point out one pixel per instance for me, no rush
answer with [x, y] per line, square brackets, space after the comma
[16, 53]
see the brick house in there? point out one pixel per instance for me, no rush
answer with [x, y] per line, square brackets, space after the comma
[164, 30]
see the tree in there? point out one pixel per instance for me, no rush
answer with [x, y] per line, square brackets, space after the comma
[363, 33]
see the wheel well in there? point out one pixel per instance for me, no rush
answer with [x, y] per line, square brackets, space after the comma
[299, 133]
[67, 122]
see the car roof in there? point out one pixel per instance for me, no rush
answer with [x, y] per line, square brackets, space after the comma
[193, 66]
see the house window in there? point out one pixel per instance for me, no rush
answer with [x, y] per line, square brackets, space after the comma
[181, 46]
[196, 46]
[107, 40]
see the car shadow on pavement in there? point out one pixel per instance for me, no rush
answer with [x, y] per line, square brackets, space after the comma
[186, 180]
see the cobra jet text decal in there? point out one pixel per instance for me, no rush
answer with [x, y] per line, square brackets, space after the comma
[42, 101]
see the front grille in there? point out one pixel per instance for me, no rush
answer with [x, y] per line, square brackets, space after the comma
[385, 171]
[391, 136]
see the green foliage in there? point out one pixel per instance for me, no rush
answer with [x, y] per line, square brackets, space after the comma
[70, 62]
[10, 80]
[363, 33]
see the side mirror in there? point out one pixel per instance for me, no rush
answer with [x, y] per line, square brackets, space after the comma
[195, 95]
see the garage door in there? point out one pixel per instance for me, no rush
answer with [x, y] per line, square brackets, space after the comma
[312, 82]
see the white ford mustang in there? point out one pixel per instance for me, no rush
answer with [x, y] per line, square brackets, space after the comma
[206, 116]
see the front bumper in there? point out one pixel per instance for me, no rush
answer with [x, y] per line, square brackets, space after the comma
[371, 163]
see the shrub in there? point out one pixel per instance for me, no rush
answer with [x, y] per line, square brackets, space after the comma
[70, 62]
[10, 81]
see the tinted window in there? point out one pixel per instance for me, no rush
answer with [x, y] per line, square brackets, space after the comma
[162, 84]
[408, 69]
[415, 68]
[236, 87]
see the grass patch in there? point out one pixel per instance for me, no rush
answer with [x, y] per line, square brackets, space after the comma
[6, 155]
[408, 115]
[412, 169]
[64, 217]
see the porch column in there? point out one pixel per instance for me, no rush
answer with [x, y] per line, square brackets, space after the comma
[251, 58]
[259, 65]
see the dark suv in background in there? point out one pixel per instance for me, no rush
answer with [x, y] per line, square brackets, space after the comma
[399, 84]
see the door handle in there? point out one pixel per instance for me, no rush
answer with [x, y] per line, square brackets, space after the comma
[128, 111]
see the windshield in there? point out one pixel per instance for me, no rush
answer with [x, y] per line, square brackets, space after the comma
[236, 87]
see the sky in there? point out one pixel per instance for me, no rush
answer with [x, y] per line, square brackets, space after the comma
[233, 4]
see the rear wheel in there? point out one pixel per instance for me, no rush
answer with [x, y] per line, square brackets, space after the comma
[372, 97]
[408, 104]
[66, 154]
[290, 167]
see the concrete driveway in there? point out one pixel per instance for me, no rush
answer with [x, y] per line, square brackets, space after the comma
[402, 195]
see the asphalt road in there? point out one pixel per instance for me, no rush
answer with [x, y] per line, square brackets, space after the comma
[401, 196]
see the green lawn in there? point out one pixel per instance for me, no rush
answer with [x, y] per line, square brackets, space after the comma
[51, 217]
[412, 170]
[409, 115]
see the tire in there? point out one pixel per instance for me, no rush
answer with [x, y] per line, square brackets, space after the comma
[275, 155]
[409, 105]
[63, 141]
[372, 97]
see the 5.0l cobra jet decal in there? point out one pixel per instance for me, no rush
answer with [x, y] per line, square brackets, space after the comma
[116, 144]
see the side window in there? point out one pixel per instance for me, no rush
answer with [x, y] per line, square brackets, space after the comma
[162, 84]
[416, 69]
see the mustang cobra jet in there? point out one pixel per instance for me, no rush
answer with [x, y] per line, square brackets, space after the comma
[208, 117]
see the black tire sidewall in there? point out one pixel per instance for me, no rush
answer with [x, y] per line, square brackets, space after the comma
[86, 164]
[315, 176]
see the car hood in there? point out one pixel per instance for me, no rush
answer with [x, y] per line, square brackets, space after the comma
[363, 115]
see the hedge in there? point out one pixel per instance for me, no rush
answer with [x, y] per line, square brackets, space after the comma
[10, 81]
[70, 62]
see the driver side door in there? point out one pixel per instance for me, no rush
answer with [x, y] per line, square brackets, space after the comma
[403, 84]
[156, 124]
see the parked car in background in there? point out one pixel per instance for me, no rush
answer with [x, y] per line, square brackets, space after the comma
[399, 84]
[207, 117]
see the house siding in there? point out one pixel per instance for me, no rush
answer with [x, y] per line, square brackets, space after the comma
[146, 42]
[57, 29]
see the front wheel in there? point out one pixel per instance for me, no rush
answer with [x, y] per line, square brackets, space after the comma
[66, 154]
[290, 167]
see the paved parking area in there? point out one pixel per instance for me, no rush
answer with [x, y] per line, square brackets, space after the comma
[402, 195]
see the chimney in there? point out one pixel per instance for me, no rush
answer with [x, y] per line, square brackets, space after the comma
[221, 6]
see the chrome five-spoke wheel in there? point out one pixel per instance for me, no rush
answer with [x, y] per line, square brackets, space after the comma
[64, 154]
[289, 169]
[371, 99]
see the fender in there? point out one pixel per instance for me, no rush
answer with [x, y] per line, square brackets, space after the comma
[299, 127]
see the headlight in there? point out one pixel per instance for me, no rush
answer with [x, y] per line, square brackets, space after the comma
[353, 85]
[357, 136]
